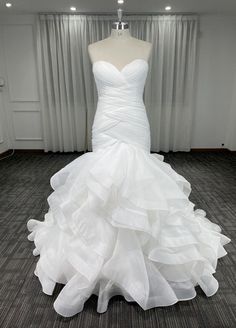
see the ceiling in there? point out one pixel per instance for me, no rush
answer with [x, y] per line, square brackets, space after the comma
[129, 6]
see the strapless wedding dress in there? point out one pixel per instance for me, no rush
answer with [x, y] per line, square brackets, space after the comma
[119, 219]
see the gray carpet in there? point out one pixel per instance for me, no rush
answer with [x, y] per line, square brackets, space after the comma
[24, 188]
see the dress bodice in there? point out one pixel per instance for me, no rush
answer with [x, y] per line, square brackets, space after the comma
[121, 114]
[129, 81]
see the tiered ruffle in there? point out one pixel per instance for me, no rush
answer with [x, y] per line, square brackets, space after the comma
[120, 223]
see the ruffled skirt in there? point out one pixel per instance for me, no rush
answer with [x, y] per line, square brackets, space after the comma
[120, 223]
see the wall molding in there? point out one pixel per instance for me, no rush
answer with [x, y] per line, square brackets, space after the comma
[26, 110]
[28, 139]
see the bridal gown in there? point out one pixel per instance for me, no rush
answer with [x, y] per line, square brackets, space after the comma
[119, 219]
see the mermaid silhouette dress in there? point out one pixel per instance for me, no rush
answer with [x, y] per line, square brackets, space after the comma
[120, 221]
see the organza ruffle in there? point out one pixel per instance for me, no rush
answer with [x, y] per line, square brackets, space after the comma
[120, 223]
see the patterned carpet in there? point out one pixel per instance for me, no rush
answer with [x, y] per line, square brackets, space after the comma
[24, 188]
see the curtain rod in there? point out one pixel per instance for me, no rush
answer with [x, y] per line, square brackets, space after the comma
[114, 13]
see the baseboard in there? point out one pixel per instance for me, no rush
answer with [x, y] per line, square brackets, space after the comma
[211, 150]
[29, 150]
[35, 151]
[41, 151]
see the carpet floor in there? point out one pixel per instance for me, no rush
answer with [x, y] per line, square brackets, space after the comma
[24, 188]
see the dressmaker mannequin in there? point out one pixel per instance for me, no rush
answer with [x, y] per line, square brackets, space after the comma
[120, 48]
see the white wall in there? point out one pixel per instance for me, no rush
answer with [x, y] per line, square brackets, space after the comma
[4, 138]
[231, 124]
[215, 81]
[20, 96]
[215, 112]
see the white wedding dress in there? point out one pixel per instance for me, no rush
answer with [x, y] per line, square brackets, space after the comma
[119, 219]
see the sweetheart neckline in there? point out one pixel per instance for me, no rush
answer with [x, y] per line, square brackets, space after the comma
[124, 67]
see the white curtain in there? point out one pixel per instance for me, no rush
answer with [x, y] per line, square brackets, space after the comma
[67, 87]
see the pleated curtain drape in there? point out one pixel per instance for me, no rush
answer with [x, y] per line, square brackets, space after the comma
[67, 88]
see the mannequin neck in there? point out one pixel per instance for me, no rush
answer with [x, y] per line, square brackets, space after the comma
[120, 34]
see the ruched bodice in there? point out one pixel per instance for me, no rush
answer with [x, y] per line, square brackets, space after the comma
[132, 75]
[120, 115]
